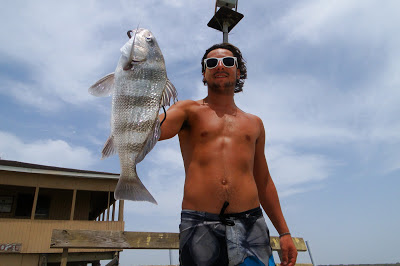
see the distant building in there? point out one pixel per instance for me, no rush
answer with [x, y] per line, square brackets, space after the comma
[35, 199]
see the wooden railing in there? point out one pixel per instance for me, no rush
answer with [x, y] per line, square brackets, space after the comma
[67, 239]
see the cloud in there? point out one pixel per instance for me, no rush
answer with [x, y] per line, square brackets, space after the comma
[316, 21]
[47, 152]
[299, 108]
[29, 96]
[67, 47]
[292, 170]
[58, 50]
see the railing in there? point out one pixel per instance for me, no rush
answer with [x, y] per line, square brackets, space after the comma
[87, 239]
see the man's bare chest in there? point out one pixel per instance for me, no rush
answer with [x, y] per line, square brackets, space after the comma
[207, 125]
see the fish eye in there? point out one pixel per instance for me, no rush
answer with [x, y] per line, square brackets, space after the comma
[149, 38]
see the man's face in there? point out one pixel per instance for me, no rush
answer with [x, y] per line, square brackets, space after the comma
[221, 78]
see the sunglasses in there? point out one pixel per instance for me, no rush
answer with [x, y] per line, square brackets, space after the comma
[228, 61]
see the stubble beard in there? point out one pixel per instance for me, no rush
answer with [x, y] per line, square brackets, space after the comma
[225, 89]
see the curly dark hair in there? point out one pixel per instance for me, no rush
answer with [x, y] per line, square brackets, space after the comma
[241, 63]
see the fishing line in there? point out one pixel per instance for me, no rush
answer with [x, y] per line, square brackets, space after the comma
[132, 54]
[165, 115]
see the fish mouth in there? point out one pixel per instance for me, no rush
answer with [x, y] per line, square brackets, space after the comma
[138, 54]
[138, 57]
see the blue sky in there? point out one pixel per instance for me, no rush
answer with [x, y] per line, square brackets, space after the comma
[322, 75]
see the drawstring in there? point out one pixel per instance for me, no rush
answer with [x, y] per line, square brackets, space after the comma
[165, 115]
[222, 217]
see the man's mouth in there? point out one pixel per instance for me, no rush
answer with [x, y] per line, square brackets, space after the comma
[220, 75]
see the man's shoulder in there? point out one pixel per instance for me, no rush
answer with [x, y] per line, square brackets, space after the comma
[252, 117]
[187, 104]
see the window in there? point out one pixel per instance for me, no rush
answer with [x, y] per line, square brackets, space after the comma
[6, 203]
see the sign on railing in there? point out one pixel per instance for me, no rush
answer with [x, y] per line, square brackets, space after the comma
[10, 248]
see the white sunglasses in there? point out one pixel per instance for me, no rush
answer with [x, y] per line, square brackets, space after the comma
[228, 61]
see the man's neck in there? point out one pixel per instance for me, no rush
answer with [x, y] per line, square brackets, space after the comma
[225, 101]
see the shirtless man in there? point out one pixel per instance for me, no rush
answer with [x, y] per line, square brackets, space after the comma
[227, 175]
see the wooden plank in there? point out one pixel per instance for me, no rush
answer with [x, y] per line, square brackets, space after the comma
[113, 239]
[64, 257]
[121, 211]
[34, 203]
[57, 181]
[298, 242]
[132, 240]
[108, 206]
[71, 217]
[113, 262]
[113, 211]
[10, 247]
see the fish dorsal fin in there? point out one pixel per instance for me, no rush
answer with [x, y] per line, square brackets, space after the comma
[168, 94]
[103, 87]
[150, 143]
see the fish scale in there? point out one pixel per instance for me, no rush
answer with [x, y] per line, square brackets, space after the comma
[139, 87]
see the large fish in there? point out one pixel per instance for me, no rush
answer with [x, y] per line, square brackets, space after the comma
[140, 87]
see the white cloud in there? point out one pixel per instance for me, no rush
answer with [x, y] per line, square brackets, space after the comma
[69, 46]
[299, 108]
[28, 95]
[47, 152]
[350, 21]
[58, 49]
[295, 172]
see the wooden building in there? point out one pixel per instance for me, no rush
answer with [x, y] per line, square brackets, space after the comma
[35, 199]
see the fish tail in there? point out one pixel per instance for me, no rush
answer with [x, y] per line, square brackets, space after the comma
[129, 188]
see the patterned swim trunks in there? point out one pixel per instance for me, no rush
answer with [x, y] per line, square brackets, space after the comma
[225, 239]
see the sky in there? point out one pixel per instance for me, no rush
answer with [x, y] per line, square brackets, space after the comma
[322, 75]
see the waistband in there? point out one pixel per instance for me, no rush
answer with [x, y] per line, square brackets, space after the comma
[257, 212]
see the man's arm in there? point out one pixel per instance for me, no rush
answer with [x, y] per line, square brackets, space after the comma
[269, 199]
[176, 116]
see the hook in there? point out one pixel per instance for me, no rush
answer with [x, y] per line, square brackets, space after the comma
[129, 34]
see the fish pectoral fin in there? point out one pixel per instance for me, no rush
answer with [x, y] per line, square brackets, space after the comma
[109, 148]
[104, 87]
[168, 94]
[150, 143]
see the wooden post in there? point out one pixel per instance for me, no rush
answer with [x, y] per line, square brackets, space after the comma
[34, 203]
[108, 207]
[280, 254]
[64, 257]
[43, 260]
[121, 211]
[113, 211]
[71, 217]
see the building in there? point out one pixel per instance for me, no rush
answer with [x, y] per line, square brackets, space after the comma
[35, 199]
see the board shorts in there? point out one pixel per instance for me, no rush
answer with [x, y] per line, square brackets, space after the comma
[226, 239]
